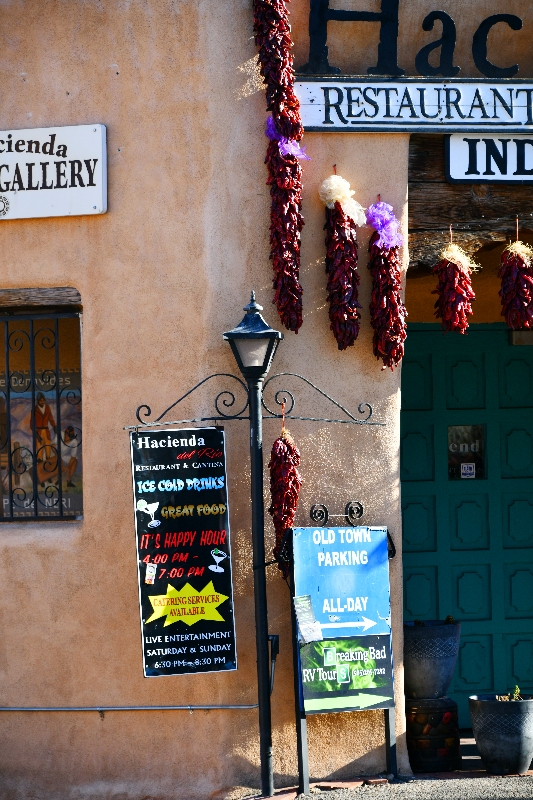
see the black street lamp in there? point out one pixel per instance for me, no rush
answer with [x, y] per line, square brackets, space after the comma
[254, 344]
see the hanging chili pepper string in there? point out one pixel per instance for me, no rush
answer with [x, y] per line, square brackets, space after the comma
[285, 485]
[273, 37]
[454, 289]
[343, 213]
[516, 273]
[387, 311]
[286, 223]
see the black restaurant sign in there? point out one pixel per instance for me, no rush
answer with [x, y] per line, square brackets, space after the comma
[183, 551]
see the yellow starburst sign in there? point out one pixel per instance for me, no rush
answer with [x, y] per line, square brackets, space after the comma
[187, 605]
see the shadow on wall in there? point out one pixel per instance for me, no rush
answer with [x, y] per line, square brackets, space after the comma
[487, 306]
[322, 754]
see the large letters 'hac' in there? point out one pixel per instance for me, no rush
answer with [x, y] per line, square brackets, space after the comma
[387, 64]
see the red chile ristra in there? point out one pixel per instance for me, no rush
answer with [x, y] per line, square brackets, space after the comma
[285, 485]
[286, 223]
[343, 278]
[387, 311]
[454, 290]
[273, 37]
[516, 273]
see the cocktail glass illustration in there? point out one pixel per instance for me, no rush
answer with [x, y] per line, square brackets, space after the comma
[149, 509]
[219, 556]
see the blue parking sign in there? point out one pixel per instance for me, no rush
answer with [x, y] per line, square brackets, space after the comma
[345, 572]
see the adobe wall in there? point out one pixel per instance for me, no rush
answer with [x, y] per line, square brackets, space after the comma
[162, 274]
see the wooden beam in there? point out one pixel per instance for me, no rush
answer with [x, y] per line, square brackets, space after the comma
[480, 212]
[32, 298]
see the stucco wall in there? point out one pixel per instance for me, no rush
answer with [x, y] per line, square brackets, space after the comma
[162, 274]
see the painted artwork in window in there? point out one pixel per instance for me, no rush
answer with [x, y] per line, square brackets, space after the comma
[40, 417]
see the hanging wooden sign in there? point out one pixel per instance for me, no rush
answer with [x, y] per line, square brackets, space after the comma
[487, 158]
[404, 105]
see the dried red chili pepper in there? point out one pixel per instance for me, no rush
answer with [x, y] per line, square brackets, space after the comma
[285, 485]
[273, 37]
[387, 311]
[343, 278]
[516, 273]
[286, 222]
[454, 290]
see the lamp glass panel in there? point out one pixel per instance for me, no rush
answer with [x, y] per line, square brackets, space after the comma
[252, 351]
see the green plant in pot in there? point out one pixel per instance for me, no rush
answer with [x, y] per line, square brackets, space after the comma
[430, 652]
[503, 730]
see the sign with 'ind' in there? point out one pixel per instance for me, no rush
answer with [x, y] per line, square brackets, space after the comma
[345, 572]
[485, 158]
[183, 551]
[53, 172]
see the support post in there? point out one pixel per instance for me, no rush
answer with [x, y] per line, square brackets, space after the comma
[255, 387]
[390, 741]
[300, 717]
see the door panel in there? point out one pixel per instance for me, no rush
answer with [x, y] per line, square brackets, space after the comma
[421, 592]
[471, 592]
[467, 500]
[516, 379]
[469, 522]
[517, 520]
[417, 454]
[417, 394]
[419, 524]
[465, 382]
[517, 447]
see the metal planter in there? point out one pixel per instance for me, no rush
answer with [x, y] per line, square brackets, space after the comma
[503, 732]
[430, 653]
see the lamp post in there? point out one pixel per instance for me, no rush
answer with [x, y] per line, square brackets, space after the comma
[254, 344]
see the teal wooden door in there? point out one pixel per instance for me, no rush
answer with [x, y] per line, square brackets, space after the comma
[467, 499]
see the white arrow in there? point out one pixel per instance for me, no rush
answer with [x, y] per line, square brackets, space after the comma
[365, 624]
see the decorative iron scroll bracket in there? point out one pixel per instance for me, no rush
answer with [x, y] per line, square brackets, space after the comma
[353, 512]
[225, 403]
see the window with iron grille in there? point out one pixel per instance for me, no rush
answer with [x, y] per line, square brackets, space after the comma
[40, 416]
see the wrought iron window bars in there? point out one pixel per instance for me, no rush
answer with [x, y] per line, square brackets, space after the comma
[37, 394]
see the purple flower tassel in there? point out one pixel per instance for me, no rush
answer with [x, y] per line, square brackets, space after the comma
[287, 147]
[380, 216]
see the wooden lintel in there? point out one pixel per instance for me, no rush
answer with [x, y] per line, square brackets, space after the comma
[479, 213]
[35, 297]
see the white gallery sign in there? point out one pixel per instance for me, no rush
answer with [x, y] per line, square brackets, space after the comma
[405, 105]
[53, 172]
[485, 158]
